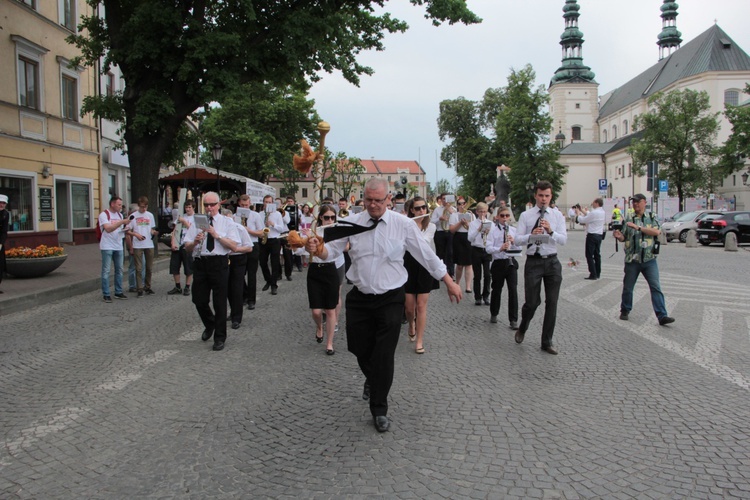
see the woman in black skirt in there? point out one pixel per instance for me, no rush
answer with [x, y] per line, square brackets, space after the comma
[459, 226]
[419, 283]
[324, 285]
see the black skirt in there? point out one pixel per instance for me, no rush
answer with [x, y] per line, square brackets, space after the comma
[323, 285]
[419, 280]
[461, 249]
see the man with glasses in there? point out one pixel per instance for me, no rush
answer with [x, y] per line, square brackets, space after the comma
[271, 249]
[542, 264]
[640, 233]
[211, 273]
[504, 267]
[443, 237]
[379, 238]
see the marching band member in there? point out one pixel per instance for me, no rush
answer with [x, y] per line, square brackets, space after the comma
[480, 259]
[504, 267]
[459, 226]
[270, 245]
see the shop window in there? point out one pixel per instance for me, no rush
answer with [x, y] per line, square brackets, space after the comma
[81, 198]
[20, 202]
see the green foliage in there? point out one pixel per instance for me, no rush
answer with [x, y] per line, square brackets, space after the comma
[509, 126]
[679, 134]
[176, 57]
[344, 173]
[736, 149]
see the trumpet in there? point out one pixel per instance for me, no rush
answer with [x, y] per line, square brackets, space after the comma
[343, 213]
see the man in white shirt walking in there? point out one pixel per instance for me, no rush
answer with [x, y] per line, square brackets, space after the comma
[143, 228]
[542, 264]
[376, 302]
[112, 226]
[594, 220]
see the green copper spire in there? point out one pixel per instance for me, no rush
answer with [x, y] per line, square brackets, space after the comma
[572, 68]
[669, 38]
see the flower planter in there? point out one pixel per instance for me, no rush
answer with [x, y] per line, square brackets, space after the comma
[34, 268]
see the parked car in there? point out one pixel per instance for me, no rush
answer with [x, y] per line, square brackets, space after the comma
[673, 217]
[688, 220]
[714, 229]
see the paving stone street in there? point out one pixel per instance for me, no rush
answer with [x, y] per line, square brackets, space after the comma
[123, 400]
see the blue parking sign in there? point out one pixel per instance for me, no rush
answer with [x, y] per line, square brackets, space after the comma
[663, 186]
[602, 184]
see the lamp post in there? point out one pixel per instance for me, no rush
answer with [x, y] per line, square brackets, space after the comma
[217, 151]
[744, 178]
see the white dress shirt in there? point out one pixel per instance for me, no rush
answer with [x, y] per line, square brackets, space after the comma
[224, 227]
[255, 223]
[526, 224]
[475, 233]
[496, 239]
[378, 255]
[456, 216]
[594, 221]
[278, 224]
[435, 218]
[244, 237]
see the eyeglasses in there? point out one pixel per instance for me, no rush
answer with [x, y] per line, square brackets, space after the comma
[504, 215]
[329, 217]
[420, 207]
[380, 201]
[462, 203]
[210, 204]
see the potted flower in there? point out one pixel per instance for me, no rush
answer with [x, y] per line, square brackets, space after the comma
[24, 262]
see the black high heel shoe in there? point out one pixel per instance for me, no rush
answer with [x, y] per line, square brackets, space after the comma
[318, 339]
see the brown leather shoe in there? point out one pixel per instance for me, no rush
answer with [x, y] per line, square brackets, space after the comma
[519, 336]
[549, 349]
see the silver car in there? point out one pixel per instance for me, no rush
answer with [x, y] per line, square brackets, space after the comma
[678, 228]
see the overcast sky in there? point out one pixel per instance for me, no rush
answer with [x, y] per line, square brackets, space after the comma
[393, 114]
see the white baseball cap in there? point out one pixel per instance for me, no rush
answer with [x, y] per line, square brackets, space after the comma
[3, 198]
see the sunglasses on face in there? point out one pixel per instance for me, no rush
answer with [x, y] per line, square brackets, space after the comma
[504, 215]
[420, 207]
[210, 204]
[462, 203]
[329, 217]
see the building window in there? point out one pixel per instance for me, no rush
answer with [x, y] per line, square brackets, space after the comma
[614, 132]
[28, 76]
[605, 135]
[68, 14]
[625, 127]
[69, 98]
[416, 178]
[329, 192]
[578, 105]
[112, 185]
[304, 192]
[630, 169]
[81, 204]
[30, 3]
[110, 84]
[731, 98]
[575, 133]
[20, 202]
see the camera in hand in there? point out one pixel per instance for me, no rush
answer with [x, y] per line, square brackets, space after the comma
[616, 225]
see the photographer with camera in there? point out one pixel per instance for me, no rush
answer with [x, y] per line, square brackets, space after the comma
[594, 220]
[641, 247]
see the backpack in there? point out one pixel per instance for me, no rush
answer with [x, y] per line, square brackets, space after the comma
[98, 227]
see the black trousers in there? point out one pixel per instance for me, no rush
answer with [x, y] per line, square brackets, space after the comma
[210, 281]
[251, 273]
[236, 285]
[535, 272]
[480, 262]
[444, 249]
[270, 251]
[373, 325]
[594, 254]
[504, 271]
[288, 260]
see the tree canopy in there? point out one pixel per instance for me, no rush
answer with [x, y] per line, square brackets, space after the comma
[679, 133]
[736, 149]
[509, 126]
[176, 57]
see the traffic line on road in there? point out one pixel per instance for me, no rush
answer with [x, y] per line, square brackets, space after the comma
[191, 335]
[41, 428]
[119, 380]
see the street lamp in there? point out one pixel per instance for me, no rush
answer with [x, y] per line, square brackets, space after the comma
[744, 178]
[217, 151]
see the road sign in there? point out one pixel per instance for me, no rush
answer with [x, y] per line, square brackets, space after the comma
[602, 184]
[663, 186]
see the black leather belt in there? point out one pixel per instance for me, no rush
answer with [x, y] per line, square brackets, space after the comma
[322, 264]
[541, 256]
[206, 257]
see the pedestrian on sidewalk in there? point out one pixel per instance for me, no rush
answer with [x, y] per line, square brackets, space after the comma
[4, 223]
[113, 227]
[594, 221]
[374, 306]
[640, 234]
[143, 228]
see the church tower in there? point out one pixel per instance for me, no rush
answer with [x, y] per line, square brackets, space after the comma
[573, 92]
[669, 39]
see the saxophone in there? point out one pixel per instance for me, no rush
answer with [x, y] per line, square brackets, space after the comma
[264, 238]
[444, 224]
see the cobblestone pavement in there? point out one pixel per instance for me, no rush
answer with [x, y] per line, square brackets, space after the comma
[123, 400]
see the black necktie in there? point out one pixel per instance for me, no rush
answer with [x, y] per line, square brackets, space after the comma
[345, 228]
[210, 240]
[538, 223]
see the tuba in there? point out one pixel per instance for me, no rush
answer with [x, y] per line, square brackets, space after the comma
[445, 224]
